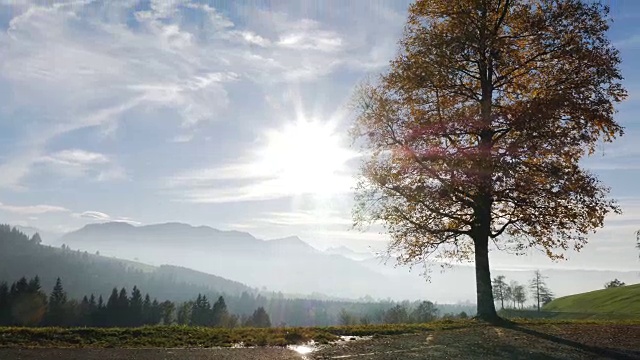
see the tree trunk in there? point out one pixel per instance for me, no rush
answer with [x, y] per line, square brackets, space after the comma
[485, 306]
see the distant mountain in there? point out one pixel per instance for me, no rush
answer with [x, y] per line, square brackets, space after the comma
[85, 273]
[349, 253]
[292, 266]
[289, 264]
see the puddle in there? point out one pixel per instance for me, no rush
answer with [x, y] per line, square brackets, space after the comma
[312, 346]
[304, 349]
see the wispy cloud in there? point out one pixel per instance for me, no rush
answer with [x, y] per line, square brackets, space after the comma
[307, 218]
[164, 66]
[308, 35]
[77, 162]
[97, 216]
[32, 209]
[76, 157]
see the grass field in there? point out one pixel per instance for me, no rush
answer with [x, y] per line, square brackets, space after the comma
[182, 336]
[621, 300]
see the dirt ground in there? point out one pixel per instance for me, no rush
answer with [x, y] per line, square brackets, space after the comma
[548, 341]
[149, 354]
[520, 342]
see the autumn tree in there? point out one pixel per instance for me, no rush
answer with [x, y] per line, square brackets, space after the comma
[539, 290]
[475, 134]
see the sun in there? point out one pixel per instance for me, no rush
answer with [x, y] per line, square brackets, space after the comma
[308, 157]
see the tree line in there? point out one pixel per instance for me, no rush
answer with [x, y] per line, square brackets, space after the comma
[24, 303]
[402, 313]
[514, 295]
[83, 273]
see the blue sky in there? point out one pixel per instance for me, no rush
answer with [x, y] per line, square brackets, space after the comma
[156, 111]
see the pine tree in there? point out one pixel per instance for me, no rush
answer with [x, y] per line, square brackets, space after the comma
[156, 312]
[58, 295]
[34, 285]
[112, 308]
[184, 313]
[219, 313]
[167, 309]
[99, 316]
[35, 239]
[5, 318]
[201, 312]
[27, 302]
[84, 313]
[57, 301]
[259, 319]
[135, 307]
[122, 314]
[146, 309]
[21, 286]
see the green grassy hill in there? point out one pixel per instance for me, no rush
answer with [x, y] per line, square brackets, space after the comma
[621, 300]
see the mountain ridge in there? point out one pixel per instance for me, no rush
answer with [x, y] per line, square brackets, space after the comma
[290, 265]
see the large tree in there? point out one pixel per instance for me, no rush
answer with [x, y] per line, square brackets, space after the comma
[476, 132]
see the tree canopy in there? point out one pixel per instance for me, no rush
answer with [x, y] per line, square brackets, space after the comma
[475, 133]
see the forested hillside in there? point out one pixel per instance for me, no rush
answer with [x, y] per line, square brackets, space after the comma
[83, 274]
[89, 273]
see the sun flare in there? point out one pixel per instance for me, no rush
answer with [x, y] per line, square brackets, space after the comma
[308, 157]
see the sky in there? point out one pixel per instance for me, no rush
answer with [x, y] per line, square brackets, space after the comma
[231, 114]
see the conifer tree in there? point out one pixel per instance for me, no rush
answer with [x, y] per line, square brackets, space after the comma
[135, 307]
[5, 318]
[219, 313]
[259, 319]
[57, 302]
[146, 309]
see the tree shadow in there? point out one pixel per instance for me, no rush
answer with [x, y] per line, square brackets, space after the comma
[595, 350]
[515, 352]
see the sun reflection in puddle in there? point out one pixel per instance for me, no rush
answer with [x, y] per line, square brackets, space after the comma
[308, 348]
[303, 349]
